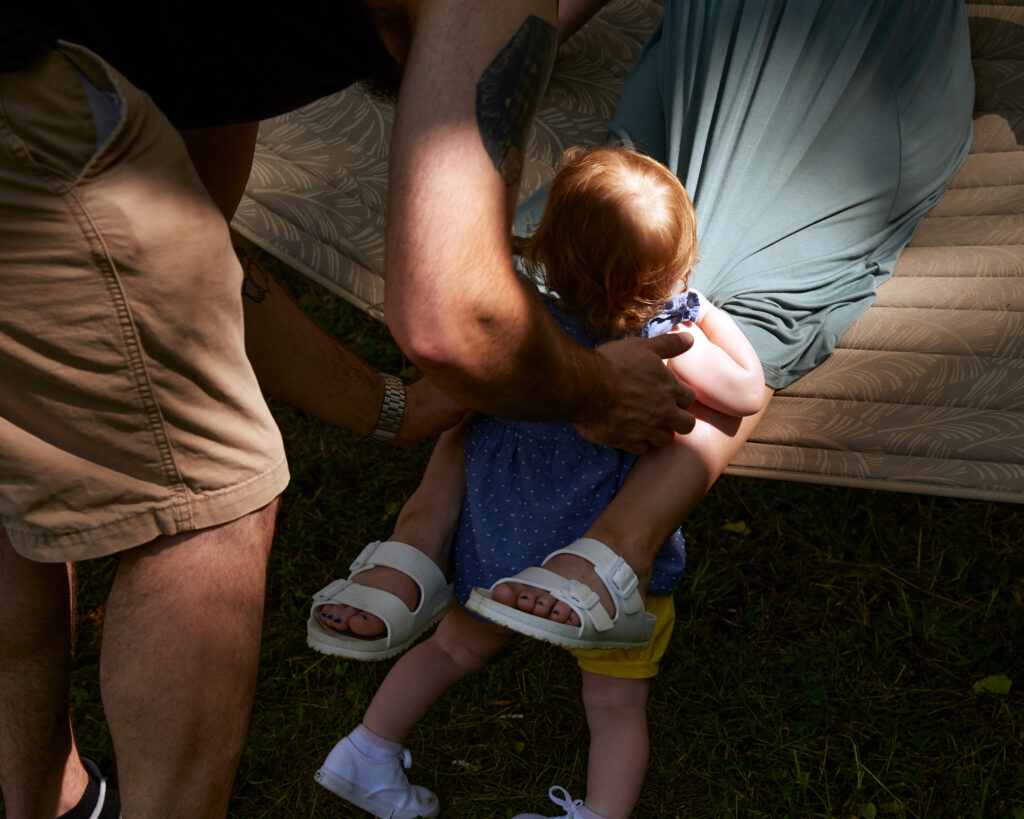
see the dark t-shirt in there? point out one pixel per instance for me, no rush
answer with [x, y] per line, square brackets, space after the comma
[24, 36]
[204, 66]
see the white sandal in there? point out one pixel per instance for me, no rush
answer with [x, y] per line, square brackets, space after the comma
[631, 627]
[403, 626]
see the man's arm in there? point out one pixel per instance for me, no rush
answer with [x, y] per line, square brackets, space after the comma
[475, 75]
[299, 363]
[294, 360]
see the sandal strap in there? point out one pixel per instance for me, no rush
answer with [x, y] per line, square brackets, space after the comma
[579, 596]
[403, 558]
[616, 574]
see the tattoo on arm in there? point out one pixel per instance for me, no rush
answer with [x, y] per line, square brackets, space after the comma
[508, 92]
[255, 281]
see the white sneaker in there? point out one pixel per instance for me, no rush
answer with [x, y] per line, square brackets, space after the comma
[377, 785]
[560, 796]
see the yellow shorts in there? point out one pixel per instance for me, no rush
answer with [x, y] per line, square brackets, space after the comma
[634, 663]
[128, 408]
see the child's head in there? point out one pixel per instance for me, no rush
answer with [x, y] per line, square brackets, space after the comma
[617, 238]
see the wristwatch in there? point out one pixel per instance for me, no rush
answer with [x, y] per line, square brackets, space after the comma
[391, 410]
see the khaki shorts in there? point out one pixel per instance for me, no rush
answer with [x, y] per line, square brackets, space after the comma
[128, 408]
[634, 663]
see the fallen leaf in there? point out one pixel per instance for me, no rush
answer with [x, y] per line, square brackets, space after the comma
[994, 684]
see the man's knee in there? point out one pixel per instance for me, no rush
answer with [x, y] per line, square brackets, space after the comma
[245, 540]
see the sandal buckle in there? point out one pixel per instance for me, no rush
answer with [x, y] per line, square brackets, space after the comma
[327, 593]
[580, 594]
[364, 560]
[621, 578]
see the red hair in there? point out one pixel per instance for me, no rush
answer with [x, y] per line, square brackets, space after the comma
[617, 238]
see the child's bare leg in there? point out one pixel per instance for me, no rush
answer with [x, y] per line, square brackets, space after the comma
[617, 717]
[427, 522]
[661, 491]
[460, 645]
[366, 768]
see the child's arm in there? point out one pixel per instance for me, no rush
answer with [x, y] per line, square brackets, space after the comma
[721, 366]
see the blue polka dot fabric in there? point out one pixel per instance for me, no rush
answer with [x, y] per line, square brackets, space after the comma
[533, 487]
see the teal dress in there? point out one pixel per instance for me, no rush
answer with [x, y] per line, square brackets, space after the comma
[813, 135]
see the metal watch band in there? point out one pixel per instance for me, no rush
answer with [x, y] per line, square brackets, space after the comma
[391, 410]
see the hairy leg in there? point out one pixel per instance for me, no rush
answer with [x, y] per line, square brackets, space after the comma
[617, 718]
[181, 638]
[661, 491]
[40, 772]
[427, 521]
[460, 646]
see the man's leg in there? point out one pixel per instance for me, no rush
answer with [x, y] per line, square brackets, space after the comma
[181, 639]
[40, 772]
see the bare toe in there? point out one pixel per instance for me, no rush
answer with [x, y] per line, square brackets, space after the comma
[543, 604]
[534, 601]
[526, 599]
[366, 625]
[336, 616]
[561, 612]
[507, 594]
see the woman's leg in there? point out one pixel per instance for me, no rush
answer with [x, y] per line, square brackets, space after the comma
[427, 522]
[661, 491]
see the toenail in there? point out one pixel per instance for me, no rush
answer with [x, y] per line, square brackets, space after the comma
[524, 597]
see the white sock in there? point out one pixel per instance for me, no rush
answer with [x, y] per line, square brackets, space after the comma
[373, 745]
[586, 813]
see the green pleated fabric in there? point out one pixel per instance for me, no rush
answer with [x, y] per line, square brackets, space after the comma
[813, 135]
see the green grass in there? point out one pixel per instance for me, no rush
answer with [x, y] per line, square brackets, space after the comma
[828, 660]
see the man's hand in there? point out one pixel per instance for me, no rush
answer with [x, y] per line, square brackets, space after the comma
[646, 403]
[428, 412]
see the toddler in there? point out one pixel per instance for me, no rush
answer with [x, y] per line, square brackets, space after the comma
[614, 249]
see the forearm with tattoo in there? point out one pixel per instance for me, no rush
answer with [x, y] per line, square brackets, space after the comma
[255, 281]
[508, 92]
